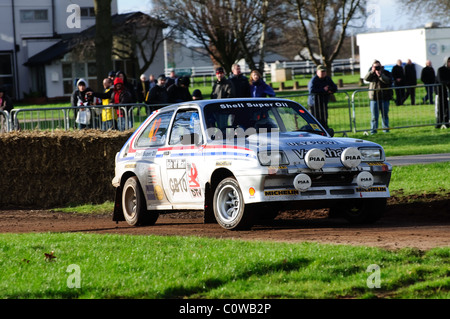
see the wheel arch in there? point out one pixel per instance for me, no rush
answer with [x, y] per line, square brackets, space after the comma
[216, 177]
[118, 210]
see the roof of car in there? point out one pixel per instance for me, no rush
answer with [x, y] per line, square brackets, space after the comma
[203, 103]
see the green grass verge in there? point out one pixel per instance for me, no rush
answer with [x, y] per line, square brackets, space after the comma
[115, 266]
[410, 141]
[421, 179]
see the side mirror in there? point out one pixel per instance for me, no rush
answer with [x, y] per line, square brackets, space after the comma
[330, 131]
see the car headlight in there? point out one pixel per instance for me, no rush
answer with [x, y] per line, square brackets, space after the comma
[371, 154]
[272, 158]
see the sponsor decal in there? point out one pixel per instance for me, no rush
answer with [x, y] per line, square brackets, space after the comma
[130, 165]
[329, 152]
[252, 105]
[149, 153]
[154, 192]
[178, 185]
[194, 183]
[251, 191]
[159, 192]
[223, 163]
[176, 163]
[281, 192]
[305, 143]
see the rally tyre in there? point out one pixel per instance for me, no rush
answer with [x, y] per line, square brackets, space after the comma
[134, 205]
[229, 207]
[364, 211]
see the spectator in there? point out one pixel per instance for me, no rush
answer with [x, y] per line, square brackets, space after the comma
[171, 79]
[127, 85]
[240, 82]
[320, 88]
[111, 76]
[152, 82]
[6, 104]
[379, 95]
[443, 77]
[142, 88]
[223, 88]
[109, 117]
[119, 95]
[132, 91]
[158, 94]
[197, 95]
[259, 88]
[428, 77]
[179, 91]
[410, 80]
[399, 80]
[79, 99]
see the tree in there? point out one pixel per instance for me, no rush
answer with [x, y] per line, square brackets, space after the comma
[206, 22]
[229, 30]
[323, 25]
[436, 10]
[103, 39]
[139, 38]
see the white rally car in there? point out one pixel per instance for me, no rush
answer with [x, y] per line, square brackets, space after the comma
[239, 160]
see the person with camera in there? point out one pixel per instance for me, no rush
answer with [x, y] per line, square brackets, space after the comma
[380, 93]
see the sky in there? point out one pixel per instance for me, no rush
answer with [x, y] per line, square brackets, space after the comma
[133, 5]
[384, 15]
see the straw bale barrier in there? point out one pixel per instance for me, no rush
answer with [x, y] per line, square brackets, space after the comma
[43, 169]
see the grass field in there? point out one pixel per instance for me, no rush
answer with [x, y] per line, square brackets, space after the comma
[114, 266]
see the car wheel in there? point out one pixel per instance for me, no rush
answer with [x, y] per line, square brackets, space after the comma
[229, 207]
[364, 211]
[134, 205]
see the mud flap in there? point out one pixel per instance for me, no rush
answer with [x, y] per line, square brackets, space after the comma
[208, 213]
[118, 211]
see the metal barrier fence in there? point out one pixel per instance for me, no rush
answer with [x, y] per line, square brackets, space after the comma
[65, 118]
[4, 121]
[414, 111]
[348, 111]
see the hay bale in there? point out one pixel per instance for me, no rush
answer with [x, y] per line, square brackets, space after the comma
[45, 169]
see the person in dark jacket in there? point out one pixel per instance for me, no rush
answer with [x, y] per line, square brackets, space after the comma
[80, 98]
[428, 77]
[398, 74]
[379, 95]
[6, 104]
[223, 88]
[158, 94]
[179, 91]
[410, 80]
[320, 88]
[443, 78]
[240, 82]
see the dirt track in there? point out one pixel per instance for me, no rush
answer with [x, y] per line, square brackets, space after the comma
[421, 225]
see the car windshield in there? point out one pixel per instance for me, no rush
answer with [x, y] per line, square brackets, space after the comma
[258, 115]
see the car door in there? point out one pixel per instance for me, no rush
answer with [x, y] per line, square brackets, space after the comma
[183, 160]
[149, 169]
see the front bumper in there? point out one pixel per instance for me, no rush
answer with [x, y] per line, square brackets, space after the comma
[327, 184]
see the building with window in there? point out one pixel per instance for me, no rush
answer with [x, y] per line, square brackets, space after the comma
[37, 42]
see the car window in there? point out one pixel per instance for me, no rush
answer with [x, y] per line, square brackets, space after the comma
[156, 131]
[263, 116]
[186, 123]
